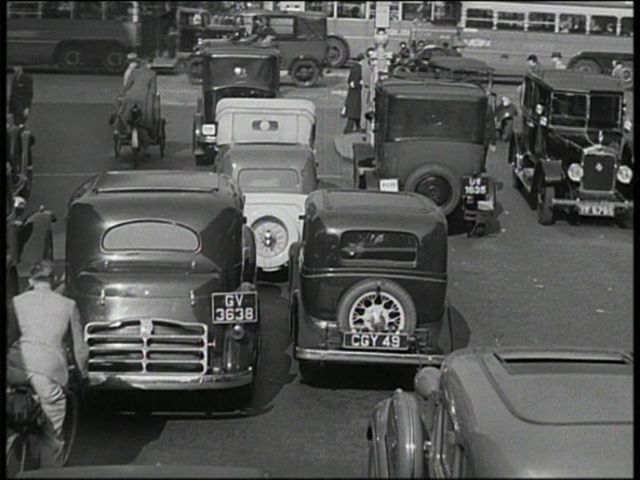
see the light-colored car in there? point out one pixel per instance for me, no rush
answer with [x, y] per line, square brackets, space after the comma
[266, 145]
[510, 413]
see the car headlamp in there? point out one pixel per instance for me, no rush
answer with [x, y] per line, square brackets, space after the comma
[575, 172]
[209, 129]
[624, 174]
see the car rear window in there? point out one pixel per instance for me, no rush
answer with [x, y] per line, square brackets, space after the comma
[255, 178]
[357, 246]
[151, 235]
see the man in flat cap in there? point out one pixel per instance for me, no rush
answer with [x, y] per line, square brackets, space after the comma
[39, 357]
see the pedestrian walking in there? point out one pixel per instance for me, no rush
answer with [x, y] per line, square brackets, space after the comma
[618, 70]
[21, 95]
[556, 58]
[133, 60]
[353, 102]
[532, 64]
[38, 356]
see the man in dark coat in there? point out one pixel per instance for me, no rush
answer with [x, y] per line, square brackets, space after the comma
[353, 103]
[21, 95]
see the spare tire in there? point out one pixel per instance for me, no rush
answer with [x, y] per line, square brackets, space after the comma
[437, 183]
[377, 304]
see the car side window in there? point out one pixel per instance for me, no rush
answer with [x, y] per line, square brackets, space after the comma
[283, 27]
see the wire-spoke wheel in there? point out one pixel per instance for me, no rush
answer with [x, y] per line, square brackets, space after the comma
[377, 311]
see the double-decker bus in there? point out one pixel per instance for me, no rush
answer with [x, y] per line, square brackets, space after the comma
[501, 33]
[73, 35]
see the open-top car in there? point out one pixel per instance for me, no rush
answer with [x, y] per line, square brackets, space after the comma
[509, 413]
[266, 146]
[567, 150]
[432, 137]
[162, 269]
[368, 281]
[231, 71]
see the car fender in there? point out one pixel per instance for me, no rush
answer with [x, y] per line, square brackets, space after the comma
[405, 438]
[552, 170]
[376, 434]
[305, 57]
[34, 232]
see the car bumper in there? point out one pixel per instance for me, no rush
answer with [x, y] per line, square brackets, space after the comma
[618, 205]
[367, 357]
[216, 381]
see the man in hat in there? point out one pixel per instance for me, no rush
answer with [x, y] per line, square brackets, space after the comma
[21, 95]
[133, 60]
[39, 358]
[532, 64]
[556, 58]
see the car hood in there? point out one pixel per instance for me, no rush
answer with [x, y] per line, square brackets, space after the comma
[145, 471]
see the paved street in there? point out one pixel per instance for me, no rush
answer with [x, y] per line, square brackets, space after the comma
[523, 284]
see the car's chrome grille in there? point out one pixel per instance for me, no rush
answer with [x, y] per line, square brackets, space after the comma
[147, 346]
[599, 172]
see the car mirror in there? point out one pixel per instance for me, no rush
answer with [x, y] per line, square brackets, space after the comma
[427, 382]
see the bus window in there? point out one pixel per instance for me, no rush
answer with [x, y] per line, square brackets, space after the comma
[23, 9]
[626, 26]
[394, 11]
[602, 25]
[570, 23]
[118, 11]
[413, 11]
[446, 13]
[352, 10]
[322, 7]
[88, 10]
[57, 10]
[542, 22]
[480, 18]
[510, 21]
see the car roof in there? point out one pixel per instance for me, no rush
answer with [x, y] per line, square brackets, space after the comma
[430, 88]
[231, 49]
[140, 181]
[530, 406]
[363, 209]
[460, 64]
[578, 81]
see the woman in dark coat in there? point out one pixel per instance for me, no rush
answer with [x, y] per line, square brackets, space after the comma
[353, 103]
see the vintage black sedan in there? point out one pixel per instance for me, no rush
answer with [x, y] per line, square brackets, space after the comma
[231, 71]
[566, 149]
[162, 268]
[432, 137]
[509, 413]
[368, 281]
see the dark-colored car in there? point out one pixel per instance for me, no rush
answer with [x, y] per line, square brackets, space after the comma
[147, 471]
[368, 280]
[432, 136]
[18, 148]
[163, 270]
[301, 38]
[602, 62]
[509, 413]
[565, 151]
[231, 71]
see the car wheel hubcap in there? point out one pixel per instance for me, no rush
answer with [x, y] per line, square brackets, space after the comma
[377, 312]
[72, 58]
[435, 188]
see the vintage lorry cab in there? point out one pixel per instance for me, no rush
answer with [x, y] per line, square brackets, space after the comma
[231, 70]
[567, 151]
[163, 271]
[267, 147]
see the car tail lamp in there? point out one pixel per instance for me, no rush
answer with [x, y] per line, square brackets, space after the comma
[209, 129]
[575, 172]
[237, 332]
[624, 174]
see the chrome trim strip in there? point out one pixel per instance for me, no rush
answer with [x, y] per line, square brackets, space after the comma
[367, 357]
[107, 381]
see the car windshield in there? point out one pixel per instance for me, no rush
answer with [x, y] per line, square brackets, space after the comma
[223, 71]
[268, 179]
[604, 112]
[460, 120]
[569, 109]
